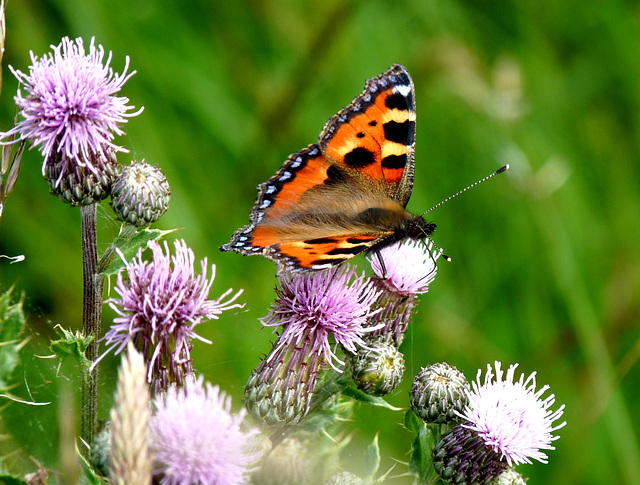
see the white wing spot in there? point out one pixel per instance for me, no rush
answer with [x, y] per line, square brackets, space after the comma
[403, 89]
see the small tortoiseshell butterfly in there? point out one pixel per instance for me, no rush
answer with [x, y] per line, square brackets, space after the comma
[347, 193]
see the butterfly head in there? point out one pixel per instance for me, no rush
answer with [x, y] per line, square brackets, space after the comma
[418, 228]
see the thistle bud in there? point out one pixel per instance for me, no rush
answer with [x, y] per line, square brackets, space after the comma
[462, 457]
[510, 477]
[140, 194]
[288, 463]
[378, 369]
[279, 391]
[438, 392]
[81, 185]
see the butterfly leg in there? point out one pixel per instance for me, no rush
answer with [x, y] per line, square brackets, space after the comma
[384, 267]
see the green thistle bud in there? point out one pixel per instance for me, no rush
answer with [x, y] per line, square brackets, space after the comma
[279, 391]
[438, 391]
[288, 463]
[510, 477]
[462, 457]
[378, 370]
[140, 194]
[79, 185]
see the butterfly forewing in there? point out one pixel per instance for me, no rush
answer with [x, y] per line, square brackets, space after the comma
[375, 134]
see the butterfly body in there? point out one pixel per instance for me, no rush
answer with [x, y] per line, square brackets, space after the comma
[347, 193]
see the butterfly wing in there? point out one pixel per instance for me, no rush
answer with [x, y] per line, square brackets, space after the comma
[375, 135]
[344, 195]
[313, 214]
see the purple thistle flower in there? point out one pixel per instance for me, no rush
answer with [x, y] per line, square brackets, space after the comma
[160, 304]
[511, 417]
[410, 267]
[196, 440]
[311, 307]
[506, 423]
[71, 108]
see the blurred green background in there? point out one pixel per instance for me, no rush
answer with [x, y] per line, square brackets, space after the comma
[545, 258]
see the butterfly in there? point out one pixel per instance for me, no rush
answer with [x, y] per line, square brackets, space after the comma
[346, 194]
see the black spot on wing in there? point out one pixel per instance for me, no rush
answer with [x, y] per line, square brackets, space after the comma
[394, 161]
[400, 132]
[359, 157]
[373, 123]
[349, 250]
[398, 101]
[360, 134]
[320, 240]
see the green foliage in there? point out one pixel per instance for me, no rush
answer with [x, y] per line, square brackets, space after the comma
[425, 438]
[12, 321]
[8, 479]
[373, 459]
[128, 242]
[89, 476]
[72, 344]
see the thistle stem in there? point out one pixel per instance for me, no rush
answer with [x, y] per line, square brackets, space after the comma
[91, 317]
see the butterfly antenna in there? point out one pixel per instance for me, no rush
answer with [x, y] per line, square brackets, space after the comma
[433, 248]
[500, 170]
[432, 245]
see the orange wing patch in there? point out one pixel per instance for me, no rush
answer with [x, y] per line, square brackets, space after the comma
[320, 253]
[375, 134]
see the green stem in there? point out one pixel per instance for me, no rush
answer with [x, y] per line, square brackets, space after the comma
[91, 317]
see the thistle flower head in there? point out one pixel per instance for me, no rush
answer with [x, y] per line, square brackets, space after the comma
[311, 307]
[160, 304]
[511, 416]
[71, 107]
[195, 439]
[410, 267]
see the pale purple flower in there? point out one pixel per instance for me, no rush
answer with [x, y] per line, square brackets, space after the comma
[71, 109]
[405, 272]
[511, 416]
[196, 440]
[410, 266]
[313, 306]
[160, 304]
